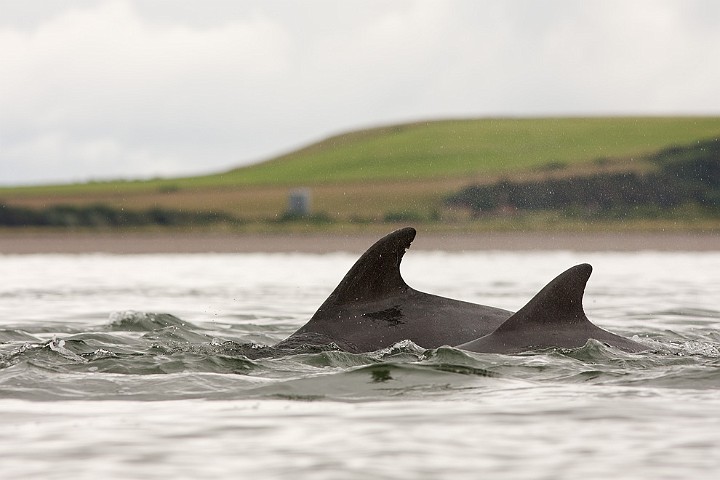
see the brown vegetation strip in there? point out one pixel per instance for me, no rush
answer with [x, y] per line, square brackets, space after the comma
[130, 243]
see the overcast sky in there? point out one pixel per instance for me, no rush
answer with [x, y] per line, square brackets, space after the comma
[133, 89]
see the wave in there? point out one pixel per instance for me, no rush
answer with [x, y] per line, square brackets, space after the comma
[125, 357]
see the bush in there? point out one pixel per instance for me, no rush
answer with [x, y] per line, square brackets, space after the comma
[686, 175]
[314, 218]
[403, 217]
[100, 215]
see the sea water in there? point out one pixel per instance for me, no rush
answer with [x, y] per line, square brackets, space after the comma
[152, 366]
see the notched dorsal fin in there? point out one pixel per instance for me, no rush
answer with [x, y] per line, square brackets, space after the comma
[377, 272]
[560, 301]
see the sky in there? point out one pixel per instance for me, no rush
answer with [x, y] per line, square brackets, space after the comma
[97, 90]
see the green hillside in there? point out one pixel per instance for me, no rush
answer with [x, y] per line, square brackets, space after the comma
[395, 173]
[440, 149]
[457, 148]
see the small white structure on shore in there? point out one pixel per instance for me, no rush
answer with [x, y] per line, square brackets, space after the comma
[299, 202]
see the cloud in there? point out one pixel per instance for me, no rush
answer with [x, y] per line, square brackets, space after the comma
[103, 89]
[103, 76]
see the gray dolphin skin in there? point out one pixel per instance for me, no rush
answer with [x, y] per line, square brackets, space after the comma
[553, 318]
[374, 308]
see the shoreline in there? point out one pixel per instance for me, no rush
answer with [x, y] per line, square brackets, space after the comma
[208, 242]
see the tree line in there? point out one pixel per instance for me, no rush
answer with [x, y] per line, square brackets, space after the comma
[685, 175]
[100, 215]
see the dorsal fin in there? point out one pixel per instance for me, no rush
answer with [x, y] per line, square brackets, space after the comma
[377, 272]
[552, 318]
[560, 301]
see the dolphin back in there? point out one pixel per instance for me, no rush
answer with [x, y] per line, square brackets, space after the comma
[553, 318]
[372, 307]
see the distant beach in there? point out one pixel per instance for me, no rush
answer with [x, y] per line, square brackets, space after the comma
[24, 242]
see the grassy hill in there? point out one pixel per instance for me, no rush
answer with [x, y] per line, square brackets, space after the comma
[402, 168]
[471, 148]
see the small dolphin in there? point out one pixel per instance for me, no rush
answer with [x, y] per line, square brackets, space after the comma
[553, 318]
[374, 308]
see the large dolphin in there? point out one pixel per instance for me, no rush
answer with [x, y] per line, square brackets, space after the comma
[374, 308]
[553, 318]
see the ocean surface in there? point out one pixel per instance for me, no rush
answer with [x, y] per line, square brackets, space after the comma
[155, 366]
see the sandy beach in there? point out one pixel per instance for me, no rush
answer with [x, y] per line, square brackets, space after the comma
[204, 242]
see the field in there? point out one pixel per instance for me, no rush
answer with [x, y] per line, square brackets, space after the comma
[408, 169]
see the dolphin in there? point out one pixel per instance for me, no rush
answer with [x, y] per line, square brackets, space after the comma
[372, 308]
[552, 318]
